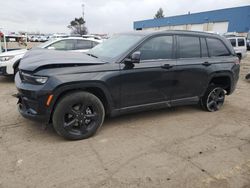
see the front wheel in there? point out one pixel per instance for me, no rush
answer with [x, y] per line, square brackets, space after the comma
[213, 99]
[78, 115]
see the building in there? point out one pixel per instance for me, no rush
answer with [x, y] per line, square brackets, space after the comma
[220, 21]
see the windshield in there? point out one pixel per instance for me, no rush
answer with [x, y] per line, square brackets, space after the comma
[115, 46]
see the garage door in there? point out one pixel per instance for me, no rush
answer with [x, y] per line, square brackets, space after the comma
[220, 27]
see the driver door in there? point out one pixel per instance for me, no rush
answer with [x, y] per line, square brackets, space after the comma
[150, 81]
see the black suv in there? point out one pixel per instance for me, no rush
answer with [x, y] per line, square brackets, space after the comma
[126, 73]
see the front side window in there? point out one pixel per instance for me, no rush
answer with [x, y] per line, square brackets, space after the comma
[216, 48]
[83, 44]
[241, 42]
[233, 42]
[189, 47]
[160, 47]
[63, 45]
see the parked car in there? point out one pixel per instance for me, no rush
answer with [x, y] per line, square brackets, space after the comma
[126, 73]
[9, 61]
[240, 46]
[42, 38]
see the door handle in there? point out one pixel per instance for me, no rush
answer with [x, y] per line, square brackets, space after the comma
[206, 63]
[166, 66]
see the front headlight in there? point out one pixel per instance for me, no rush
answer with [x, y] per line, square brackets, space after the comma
[41, 79]
[33, 78]
[6, 58]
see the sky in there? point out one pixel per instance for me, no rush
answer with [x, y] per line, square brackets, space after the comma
[102, 16]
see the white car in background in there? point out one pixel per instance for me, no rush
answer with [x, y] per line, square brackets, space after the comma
[9, 61]
[240, 46]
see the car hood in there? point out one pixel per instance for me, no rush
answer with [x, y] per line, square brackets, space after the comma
[14, 52]
[43, 58]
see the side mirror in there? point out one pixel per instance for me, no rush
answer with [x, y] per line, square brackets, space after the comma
[51, 48]
[134, 58]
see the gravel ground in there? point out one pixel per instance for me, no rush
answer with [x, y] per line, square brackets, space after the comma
[177, 147]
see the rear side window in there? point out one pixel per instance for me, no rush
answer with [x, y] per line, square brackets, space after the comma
[204, 52]
[216, 48]
[241, 42]
[233, 42]
[157, 48]
[189, 47]
[83, 44]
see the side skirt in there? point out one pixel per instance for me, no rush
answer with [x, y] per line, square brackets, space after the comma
[153, 106]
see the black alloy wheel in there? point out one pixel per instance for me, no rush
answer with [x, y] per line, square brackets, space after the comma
[78, 115]
[213, 99]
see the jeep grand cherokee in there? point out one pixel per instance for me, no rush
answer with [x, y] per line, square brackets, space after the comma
[129, 72]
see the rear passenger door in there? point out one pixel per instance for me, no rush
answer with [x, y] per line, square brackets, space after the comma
[192, 69]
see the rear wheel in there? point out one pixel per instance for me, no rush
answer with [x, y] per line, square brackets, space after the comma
[213, 99]
[78, 115]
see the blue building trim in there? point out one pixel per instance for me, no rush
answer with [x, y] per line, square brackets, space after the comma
[238, 18]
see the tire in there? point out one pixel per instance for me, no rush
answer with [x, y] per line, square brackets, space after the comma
[15, 71]
[239, 56]
[213, 99]
[15, 67]
[248, 76]
[78, 116]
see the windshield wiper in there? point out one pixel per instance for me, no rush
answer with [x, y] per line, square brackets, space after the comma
[92, 55]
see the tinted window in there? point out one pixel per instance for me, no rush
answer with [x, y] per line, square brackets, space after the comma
[157, 48]
[241, 42]
[216, 47]
[63, 45]
[233, 42]
[189, 47]
[83, 44]
[204, 51]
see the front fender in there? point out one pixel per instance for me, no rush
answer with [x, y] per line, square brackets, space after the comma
[64, 89]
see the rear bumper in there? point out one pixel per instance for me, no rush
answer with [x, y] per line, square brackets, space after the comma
[235, 78]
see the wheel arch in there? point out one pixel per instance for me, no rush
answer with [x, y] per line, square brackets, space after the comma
[222, 79]
[16, 64]
[97, 89]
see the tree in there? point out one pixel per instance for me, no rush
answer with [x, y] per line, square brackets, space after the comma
[77, 26]
[159, 14]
